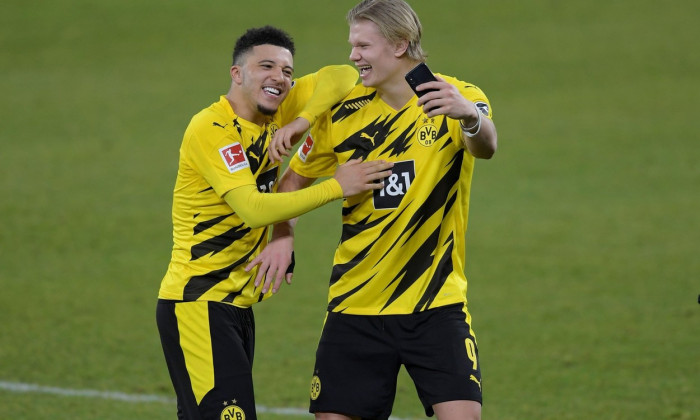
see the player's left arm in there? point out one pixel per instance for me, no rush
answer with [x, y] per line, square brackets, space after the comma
[316, 93]
[478, 130]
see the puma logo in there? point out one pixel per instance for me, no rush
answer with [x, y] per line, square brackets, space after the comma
[473, 378]
[364, 135]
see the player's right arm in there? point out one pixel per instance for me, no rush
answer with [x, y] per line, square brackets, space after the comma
[276, 257]
[218, 156]
[313, 160]
[478, 134]
[258, 209]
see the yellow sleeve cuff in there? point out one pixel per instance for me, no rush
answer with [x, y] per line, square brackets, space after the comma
[258, 209]
[311, 118]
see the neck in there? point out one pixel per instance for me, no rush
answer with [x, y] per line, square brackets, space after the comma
[395, 95]
[245, 109]
[396, 92]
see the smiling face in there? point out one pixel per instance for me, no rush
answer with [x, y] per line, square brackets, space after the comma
[377, 59]
[263, 81]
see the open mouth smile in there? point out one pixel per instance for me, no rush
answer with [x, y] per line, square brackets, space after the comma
[272, 91]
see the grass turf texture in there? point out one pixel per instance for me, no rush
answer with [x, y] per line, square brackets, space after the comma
[584, 229]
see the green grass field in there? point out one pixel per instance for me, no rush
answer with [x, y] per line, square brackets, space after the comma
[584, 228]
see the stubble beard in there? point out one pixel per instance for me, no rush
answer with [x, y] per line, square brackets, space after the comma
[266, 111]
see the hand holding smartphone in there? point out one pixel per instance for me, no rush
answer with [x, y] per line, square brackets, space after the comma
[419, 75]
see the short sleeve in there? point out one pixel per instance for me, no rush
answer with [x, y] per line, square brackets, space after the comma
[218, 156]
[315, 157]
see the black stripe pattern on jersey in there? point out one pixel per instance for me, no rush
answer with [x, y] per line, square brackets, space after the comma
[257, 152]
[216, 244]
[202, 226]
[418, 263]
[442, 197]
[198, 285]
[371, 137]
[349, 107]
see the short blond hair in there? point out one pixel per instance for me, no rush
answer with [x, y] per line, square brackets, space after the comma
[396, 21]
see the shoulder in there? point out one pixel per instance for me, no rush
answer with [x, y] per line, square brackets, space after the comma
[358, 97]
[217, 114]
[210, 125]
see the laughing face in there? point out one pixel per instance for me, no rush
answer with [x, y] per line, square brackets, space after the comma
[375, 57]
[265, 78]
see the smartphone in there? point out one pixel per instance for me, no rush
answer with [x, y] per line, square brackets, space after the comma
[419, 75]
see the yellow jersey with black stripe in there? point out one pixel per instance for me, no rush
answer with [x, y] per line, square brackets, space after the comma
[402, 247]
[221, 151]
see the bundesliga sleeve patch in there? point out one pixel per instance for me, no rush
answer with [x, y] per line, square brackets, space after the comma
[483, 107]
[234, 157]
[305, 148]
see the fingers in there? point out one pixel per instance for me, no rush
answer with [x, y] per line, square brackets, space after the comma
[355, 176]
[352, 162]
[378, 165]
[257, 261]
[261, 275]
[274, 155]
[278, 281]
[378, 171]
[285, 138]
[280, 145]
[446, 99]
[277, 152]
[433, 110]
[374, 171]
[268, 280]
[274, 277]
[270, 275]
[273, 273]
[253, 263]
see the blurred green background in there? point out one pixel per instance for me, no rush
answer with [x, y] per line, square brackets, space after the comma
[584, 229]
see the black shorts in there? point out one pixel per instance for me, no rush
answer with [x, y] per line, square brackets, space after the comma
[358, 360]
[208, 347]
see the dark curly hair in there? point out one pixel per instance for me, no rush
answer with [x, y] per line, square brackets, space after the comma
[261, 36]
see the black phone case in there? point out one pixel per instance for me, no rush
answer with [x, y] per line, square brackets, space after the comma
[419, 75]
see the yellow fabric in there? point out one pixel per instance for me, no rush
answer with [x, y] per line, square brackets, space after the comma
[258, 209]
[402, 248]
[220, 152]
[196, 346]
[334, 79]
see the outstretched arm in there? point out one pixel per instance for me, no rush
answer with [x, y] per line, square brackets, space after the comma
[260, 209]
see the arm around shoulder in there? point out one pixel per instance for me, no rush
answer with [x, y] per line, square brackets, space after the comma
[333, 83]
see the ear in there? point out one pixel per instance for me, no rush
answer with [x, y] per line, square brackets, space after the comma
[400, 48]
[237, 74]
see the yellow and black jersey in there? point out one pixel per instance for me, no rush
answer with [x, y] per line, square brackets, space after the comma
[402, 247]
[221, 151]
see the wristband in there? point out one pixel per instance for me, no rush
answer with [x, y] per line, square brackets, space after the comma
[468, 131]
